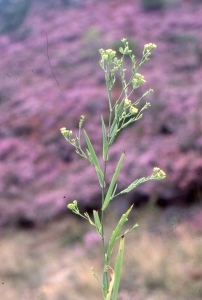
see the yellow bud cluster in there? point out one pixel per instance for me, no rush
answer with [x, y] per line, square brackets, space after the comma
[66, 133]
[149, 46]
[81, 121]
[107, 54]
[159, 173]
[105, 57]
[140, 78]
[111, 52]
[73, 205]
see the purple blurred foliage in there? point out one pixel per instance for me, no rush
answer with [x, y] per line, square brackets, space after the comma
[39, 172]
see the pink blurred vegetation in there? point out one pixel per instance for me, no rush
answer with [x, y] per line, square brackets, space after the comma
[39, 172]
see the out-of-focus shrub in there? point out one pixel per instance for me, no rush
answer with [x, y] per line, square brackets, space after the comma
[12, 14]
[153, 4]
[71, 2]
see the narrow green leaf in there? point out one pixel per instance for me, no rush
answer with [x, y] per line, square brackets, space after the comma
[134, 184]
[116, 232]
[118, 268]
[113, 182]
[105, 143]
[94, 159]
[97, 222]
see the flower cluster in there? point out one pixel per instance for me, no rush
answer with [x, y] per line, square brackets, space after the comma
[73, 206]
[108, 54]
[138, 80]
[66, 133]
[147, 50]
[158, 173]
[149, 46]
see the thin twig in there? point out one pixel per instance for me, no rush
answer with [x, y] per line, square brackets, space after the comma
[50, 65]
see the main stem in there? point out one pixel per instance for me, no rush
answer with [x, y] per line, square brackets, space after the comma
[105, 277]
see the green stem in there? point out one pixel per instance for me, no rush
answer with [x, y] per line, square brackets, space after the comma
[105, 278]
[105, 275]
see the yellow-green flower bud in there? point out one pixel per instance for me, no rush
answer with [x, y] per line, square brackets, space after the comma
[71, 206]
[133, 110]
[159, 173]
[134, 82]
[156, 170]
[105, 57]
[140, 78]
[110, 52]
[149, 46]
[124, 40]
[63, 130]
[162, 174]
[152, 46]
[126, 50]
[66, 133]
[81, 121]
[127, 103]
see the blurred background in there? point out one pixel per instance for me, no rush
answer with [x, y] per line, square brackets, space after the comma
[49, 76]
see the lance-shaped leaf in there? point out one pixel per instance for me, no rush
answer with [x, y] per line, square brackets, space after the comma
[113, 182]
[105, 143]
[94, 159]
[158, 174]
[116, 232]
[97, 222]
[118, 268]
[134, 184]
